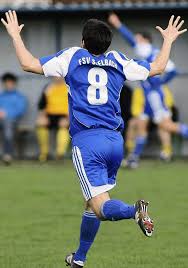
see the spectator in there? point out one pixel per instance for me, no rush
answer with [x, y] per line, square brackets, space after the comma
[12, 107]
[53, 114]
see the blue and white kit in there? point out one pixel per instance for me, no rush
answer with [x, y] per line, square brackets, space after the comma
[95, 84]
[155, 107]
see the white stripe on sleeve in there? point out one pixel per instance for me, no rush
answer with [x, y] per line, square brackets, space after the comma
[132, 69]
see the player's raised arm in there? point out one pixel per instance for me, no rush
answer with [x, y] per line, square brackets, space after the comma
[170, 34]
[114, 20]
[27, 61]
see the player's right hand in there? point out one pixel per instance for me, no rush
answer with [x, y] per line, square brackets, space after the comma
[11, 23]
[114, 20]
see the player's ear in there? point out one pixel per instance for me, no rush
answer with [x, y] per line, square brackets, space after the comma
[83, 44]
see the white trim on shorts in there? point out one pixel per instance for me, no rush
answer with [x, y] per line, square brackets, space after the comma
[158, 118]
[159, 111]
[88, 190]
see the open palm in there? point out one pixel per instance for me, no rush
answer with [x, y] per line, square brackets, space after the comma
[11, 23]
[173, 30]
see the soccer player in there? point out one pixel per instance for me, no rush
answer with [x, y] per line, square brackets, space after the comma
[155, 107]
[95, 79]
[137, 104]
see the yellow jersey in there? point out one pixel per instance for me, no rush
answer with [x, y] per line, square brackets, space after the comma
[56, 99]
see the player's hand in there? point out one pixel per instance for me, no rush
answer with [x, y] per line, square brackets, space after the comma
[2, 114]
[114, 20]
[11, 23]
[173, 30]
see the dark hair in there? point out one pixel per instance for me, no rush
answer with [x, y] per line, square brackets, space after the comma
[147, 36]
[9, 77]
[97, 36]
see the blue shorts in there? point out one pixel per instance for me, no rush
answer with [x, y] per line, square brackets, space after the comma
[97, 155]
[155, 107]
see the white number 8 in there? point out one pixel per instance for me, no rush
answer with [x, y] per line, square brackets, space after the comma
[98, 79]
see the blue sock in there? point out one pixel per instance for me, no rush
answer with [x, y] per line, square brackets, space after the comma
[89, 228]
[184, 130]
[140, 144]
[115, 210]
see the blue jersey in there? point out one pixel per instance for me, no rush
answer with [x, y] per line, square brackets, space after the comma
[13, 103]
[95, 84]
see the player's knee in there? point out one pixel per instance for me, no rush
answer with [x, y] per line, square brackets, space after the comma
[169, 125]
[133, 123]
[42, 121]
[142, 128]
[64, 123]
[96, 204]
[92, 208]
[98, 214]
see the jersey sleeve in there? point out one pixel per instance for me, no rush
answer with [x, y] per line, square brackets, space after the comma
[57, 65]
[51, 66]
[136, 70]
[133, 70]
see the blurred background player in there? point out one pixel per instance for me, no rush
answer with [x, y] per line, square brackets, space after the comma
[166, 151]
[154, 104]
[53, 114]
[13, 106]
[136, 108]
[133, 103]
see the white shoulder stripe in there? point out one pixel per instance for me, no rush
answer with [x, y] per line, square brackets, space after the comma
[64, 59]
[131, 69]
[124, 63]
[52, 68]
[119, 59]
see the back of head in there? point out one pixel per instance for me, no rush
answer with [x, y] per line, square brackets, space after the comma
[97, 36]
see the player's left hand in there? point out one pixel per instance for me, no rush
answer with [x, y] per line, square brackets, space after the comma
[11, 24]
[173, 31]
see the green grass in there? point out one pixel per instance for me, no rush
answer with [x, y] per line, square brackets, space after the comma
[40, 212]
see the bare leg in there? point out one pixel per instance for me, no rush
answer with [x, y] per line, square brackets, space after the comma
[166, 144]
[141, 140]
[131, 134]
[43, 136]
[143, 127]
[170, 126]
[96, 203]
[63, 139]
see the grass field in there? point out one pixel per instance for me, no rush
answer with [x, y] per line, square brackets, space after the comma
[40, 209]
